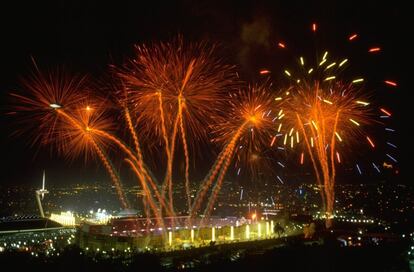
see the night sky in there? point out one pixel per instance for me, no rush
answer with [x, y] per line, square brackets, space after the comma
[87, 36]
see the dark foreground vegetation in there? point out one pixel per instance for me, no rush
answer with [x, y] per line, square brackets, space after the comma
[292, 255]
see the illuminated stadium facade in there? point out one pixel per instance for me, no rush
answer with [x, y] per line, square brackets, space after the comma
[140, 234]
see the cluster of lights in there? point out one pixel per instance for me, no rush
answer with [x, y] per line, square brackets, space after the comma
[30, 242]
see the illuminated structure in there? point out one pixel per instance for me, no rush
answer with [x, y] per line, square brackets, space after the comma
[133, 234]
[64, 218]
[41, 192]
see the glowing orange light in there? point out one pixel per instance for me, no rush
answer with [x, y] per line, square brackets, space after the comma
[391, 83]
[264, 72]
[353, 37]
[281, 45]
[338, 157]
[374, 49]
[254, 216]
[253, 119]
[314, 27]
[385, 111]
[371, 142]
[301, 158]
[273, 140]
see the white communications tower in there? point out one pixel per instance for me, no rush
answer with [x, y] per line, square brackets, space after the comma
[41, 192]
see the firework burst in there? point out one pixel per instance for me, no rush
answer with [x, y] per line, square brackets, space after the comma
[176, 90]
[326, 118]
[327, 114]
[166, 78]
[249, 123]
[47, 92]
[257, 107]
[60, 112]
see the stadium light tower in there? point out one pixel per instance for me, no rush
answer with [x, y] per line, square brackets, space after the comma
[41, 192]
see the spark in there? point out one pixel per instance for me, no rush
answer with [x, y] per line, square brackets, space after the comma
[301, 158]
[264, 72]
[330, 65]
[358, 80]
[362, 103]
[281, 45]
[287, 72]
[314, 27]
[374, 49]
[353, 121]
[327, 102]
[343, 62]
[273, 141]
[310, 70]
[339, 137]
[338, 157]
[359, 169]
[329, 78]
[302, 62]
[314, 124]
[325, 55]
[385, 111]
[281, 164]
[371, 142]
[391, 83]
[376, 167]
[353, 36]
[281, 181]
[391, 144]
[55, 106]
[391, 157]
[279, 128]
